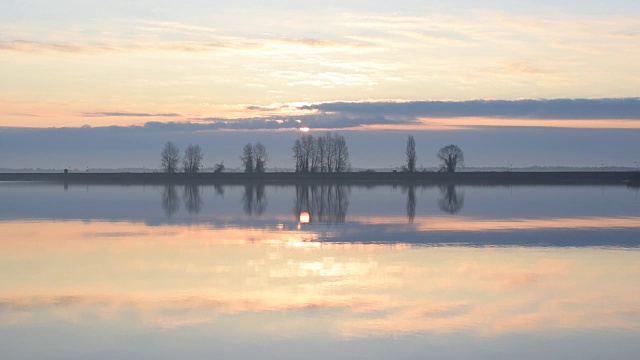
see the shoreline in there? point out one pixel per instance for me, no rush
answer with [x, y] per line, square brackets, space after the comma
[373, 178]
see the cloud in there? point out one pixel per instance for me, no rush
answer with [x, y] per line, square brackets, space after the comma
[314, 121]
[524, 68]
[26, 115]
[29, 46]
[191, 45]
[586, 113]
[326, 43]
[620, 108]
[128, 114]
[173, 27]
[626, 35]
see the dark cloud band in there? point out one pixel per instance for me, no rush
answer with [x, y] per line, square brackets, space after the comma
[345, 115]
[560, 109]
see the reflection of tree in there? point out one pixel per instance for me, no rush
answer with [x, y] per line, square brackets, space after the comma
[451, 201]
[324, 203]
[261, 200]
[192, 198]
[411, 203]
[254, 199]
[219, 190]
[170, 200]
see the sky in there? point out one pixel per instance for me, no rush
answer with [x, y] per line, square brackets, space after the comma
[107, 83]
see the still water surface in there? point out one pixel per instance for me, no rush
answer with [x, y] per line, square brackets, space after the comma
[314, 272]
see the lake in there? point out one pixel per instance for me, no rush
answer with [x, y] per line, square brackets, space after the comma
[319, 271]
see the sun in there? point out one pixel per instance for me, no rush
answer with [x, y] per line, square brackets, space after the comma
[304, 129]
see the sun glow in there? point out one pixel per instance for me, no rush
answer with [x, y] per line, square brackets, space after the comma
[305, 218]
[305, 129]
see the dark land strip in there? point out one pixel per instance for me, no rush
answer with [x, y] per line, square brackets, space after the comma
[631, 178]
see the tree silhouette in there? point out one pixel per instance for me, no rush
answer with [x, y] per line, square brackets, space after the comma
[247, 158]
[451, 157]
[341, 154]
[260, 156]
[327, 153]
[297, 155]
[192, 161]
[411, 154]
[219, 168]
[170, 157]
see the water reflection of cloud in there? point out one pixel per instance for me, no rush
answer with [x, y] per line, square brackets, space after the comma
[116, 234]
[222, 276]
[345, 316]
[442, 223]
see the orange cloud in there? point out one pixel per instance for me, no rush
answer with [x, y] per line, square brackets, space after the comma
[470, 122]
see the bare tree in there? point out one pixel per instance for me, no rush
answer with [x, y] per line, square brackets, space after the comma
[341, 154]
[192, 161]
[170, 157]
[304, 153]
[321, 153]
[297, 155]
[219, 168]
[260, 156]
[247, 158]
[451, 157]
[411, 154]
[308, 153]
[328, 153]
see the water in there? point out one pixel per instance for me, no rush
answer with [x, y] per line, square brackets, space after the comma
[311, 272]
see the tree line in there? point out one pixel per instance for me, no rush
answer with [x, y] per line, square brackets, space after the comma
[451, 157]
[328, 153]
[191, 161]
[254, 158]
